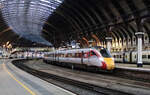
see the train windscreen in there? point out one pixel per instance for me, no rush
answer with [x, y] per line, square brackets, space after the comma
[105, 53]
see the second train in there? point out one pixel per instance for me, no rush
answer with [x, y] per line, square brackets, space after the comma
[131, 57]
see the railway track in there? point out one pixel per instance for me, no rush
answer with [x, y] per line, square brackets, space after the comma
[99, 90]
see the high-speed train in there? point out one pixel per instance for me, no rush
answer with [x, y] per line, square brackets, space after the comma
[98, 57]
[131, 56]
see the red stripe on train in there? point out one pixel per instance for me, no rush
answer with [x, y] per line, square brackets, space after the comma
[103, 65]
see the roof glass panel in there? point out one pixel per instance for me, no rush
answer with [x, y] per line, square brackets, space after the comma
[27, 17]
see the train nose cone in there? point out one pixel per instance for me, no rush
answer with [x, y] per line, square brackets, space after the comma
[110, 63]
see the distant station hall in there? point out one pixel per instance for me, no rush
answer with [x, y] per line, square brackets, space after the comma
[51, 47]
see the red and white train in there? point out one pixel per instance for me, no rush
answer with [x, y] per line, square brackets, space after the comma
[94, 57]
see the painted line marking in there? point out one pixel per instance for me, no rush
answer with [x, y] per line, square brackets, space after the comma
[25, 87]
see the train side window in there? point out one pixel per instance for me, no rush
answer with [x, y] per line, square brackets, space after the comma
[135, 56]
[80, 55]
[144, 56]
[58, 54]
[73, 55]
[70, 54]
[77, 55]
[62, 55]
[114, 56]
[67, 55]
[146, 38]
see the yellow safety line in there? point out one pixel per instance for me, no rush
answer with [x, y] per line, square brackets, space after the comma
[25, 87]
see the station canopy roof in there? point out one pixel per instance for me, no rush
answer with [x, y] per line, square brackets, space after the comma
[63, 21]
[27, 17]
[80, 19]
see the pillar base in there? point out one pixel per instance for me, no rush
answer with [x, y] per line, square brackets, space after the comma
[139, 65]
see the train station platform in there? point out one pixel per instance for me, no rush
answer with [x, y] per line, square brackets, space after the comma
[17, 82]
[132, 71]
[121, 80]
[132, 66]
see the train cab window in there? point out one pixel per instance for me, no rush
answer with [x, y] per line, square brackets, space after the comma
[93, 53]
[105, 53]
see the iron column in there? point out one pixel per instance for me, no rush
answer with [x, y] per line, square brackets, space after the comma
[108, 44]
[139, 49]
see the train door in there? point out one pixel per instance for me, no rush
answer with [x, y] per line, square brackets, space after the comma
[82, 57]
[130, 54]
[85, 58]
[55, 56]
[58, 55]
[123, 57]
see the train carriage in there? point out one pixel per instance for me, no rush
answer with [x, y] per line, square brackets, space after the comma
[131, 57]
[99, 57]
[118, 56]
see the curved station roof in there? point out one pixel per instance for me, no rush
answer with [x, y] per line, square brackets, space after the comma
[27, 17]
[64, 21]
